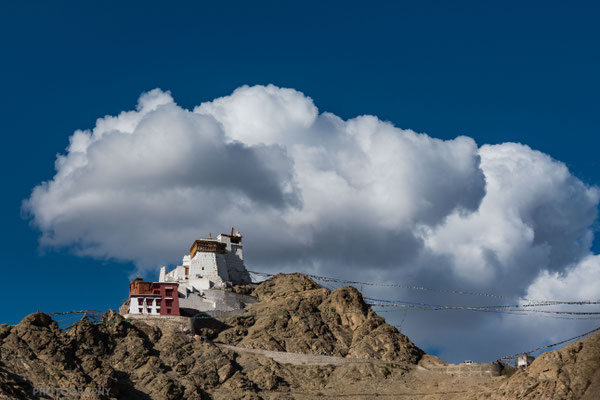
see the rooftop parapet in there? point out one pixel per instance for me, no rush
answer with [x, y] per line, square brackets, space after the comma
[207, 246]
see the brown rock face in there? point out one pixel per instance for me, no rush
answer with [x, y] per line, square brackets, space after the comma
[572, 372]
[122, 357]
[294, 314]
[133, 360]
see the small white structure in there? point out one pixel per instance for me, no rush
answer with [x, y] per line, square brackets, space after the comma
[210, 266]
[524, 361]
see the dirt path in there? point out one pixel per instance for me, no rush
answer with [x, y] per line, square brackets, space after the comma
[367, 379]
[302, 359]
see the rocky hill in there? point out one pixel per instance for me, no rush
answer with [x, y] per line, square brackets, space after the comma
[294, 314]
[136, 360]
[572, 372]
[333, 343]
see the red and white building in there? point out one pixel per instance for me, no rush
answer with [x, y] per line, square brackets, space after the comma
[153, 298]
[197, 285]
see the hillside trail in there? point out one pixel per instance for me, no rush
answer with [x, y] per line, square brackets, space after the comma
[284, 357]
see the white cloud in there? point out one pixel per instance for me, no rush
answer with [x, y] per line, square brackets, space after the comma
[355, 198]
[141, 185]
[535, 215]
[577, 282]
[262, 114]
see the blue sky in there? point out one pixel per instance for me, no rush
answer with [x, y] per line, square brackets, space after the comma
[494, 71]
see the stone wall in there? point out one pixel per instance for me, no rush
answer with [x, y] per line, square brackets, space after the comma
[178, 323]
[224, 314]
[484, 369]
[209, 265]
[235, 265]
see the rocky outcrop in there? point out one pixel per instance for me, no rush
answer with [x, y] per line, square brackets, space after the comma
[572, 372]
[131, 359]
[294, 314]
[134, 360]
[116, 355]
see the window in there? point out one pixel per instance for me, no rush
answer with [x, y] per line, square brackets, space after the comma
[168, 311]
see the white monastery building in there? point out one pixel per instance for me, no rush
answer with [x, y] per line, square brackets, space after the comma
[211, 266]
[211, 263]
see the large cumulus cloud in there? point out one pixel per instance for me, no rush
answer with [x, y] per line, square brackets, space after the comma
[301, 185]
[358, 198]
[535, 216]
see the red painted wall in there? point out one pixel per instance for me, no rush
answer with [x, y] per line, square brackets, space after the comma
[169, 299]
[169, 304]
